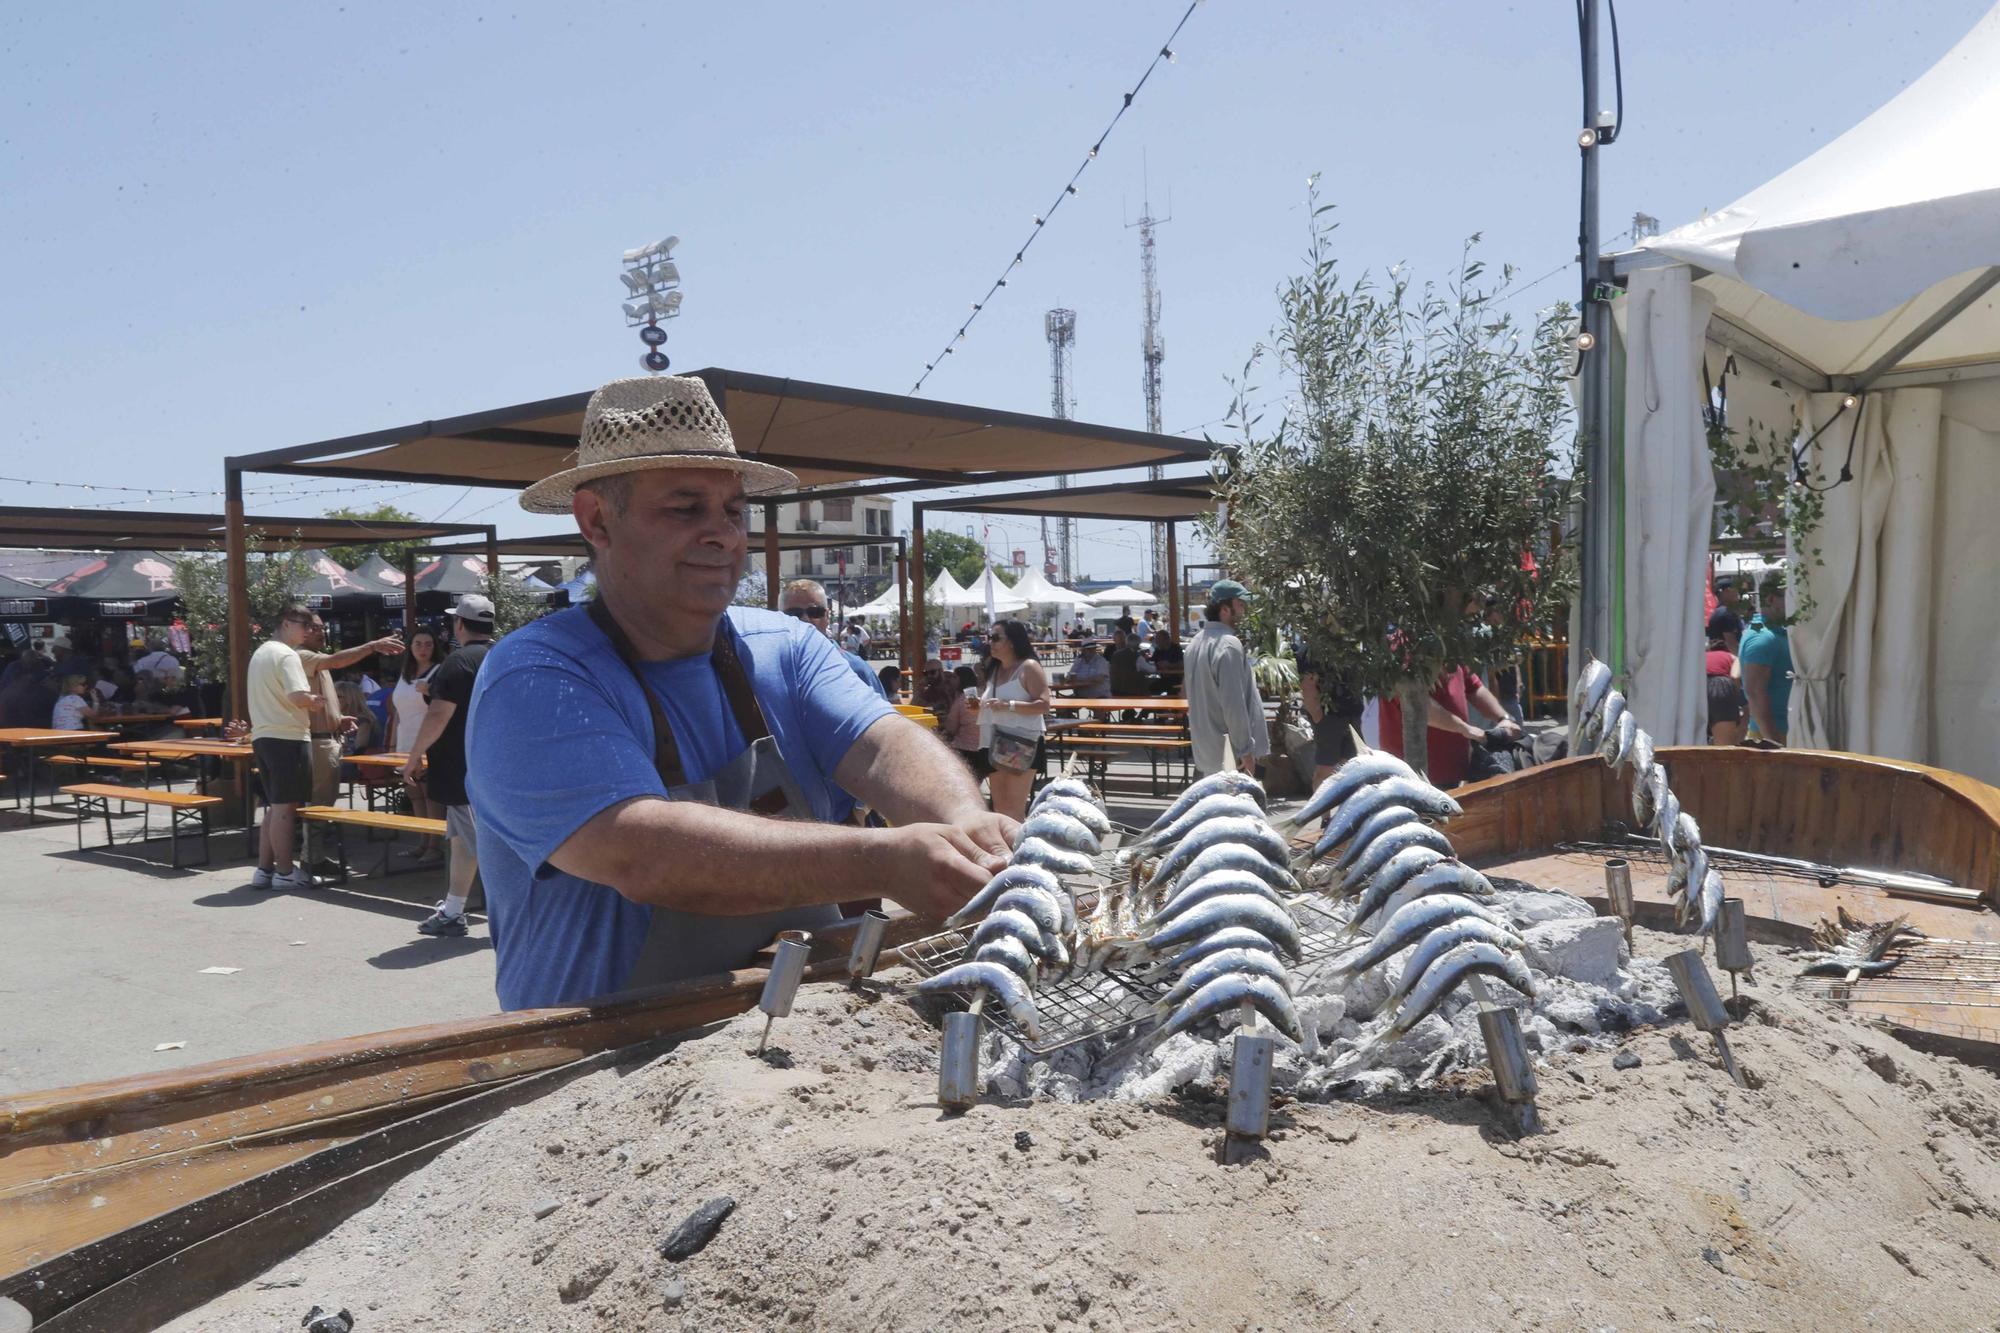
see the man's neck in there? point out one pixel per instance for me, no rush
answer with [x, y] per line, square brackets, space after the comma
[660, 642]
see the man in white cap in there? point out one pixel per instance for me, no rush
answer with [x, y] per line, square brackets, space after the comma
[657, 772]
[438, 756]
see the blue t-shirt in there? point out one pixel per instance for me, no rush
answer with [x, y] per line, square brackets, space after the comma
[560, 732]
[860, 668]
[1769, 645]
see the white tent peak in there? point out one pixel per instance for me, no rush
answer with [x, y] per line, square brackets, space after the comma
[1033, 588]
[1124, 595]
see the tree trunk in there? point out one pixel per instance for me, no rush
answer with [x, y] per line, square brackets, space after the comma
[1414, 696]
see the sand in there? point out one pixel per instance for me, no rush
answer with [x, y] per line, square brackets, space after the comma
[1856, 1186]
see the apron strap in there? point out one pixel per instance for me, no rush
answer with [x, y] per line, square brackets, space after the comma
[736, 688]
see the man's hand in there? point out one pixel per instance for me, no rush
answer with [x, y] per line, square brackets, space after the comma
[991, 832]
[235, 730]
[934, 869]
[1248, 764]
[413, 768]
[1507, 729]
[348, 726]
[389, 645]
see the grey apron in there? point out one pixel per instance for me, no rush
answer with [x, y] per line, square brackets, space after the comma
[681, 944]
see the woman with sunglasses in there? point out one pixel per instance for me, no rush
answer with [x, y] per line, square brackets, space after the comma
[805, 599]
[1013, 706]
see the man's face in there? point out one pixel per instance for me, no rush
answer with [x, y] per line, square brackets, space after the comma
[678, 548]
[315, 634]
[292, 631]
[809, 606]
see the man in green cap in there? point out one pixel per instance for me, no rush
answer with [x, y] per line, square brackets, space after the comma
[1225, 712]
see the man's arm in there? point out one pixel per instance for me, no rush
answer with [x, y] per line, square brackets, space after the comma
[1441, 718]
[1244, 706]
[436, 718]
[1484, 700]
[1757, 690]
[910, 777]
[347, 657]
[1309, 696]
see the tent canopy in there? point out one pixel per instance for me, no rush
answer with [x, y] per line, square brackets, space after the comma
[1036, 590]
[110, 530]
[975, 597]
[826, 434]
[1166, 500]
[1124, 595]
[123, 583]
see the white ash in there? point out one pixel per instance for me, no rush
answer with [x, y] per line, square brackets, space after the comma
[1589, 991]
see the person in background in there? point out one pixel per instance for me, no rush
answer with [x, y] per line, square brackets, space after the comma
[1729, 597]
[891, 678]
[1223, 702]
[29, 700]
[805, 599]
[1013, 705]
[1077, 630]
[1169, 659]
[1765, 656]
[934, 689]
[283, 711]
[1725, 678]
[112, 682]
[75, 706]
[1452, 732]
[157, 658]
[360, 738]
[1334, 708]
[1125, 621]
[331, 724]
[1089, 676]
[958, 725]
[1123, 661]
[855, 637]
[407, 704]
[438, 753]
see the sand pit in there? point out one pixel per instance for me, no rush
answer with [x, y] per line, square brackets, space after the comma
[1858, 1185]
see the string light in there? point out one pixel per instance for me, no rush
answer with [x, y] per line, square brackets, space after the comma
[1166, 53]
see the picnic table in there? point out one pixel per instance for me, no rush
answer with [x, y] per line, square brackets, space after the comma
[36, 739]
[219, 751]
[1152, 703]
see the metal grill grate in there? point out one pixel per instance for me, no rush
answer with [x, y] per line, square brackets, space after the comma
[1097, 1004]
[1952, 974]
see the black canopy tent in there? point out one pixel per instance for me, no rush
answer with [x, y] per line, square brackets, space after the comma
[1168, 501]
[837, 441]
[26, 601]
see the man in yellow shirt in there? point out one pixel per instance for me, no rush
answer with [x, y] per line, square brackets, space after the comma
[282, 711]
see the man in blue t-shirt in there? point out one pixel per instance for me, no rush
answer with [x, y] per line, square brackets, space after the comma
[595, 871]
[1766, 657]
[805, 599]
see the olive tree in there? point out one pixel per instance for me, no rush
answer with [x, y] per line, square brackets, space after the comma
[1398, 516]
[273, 581]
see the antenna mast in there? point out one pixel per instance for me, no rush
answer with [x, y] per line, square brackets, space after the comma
[1154, 350]
[1060, 326]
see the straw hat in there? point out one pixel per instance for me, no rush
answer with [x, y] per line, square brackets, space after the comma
[639, 424]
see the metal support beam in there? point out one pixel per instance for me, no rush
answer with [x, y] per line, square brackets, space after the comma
[410, 594]
[1173, 579]
[1922, 334]
[771, 556]
[1594, 403]
[237, 571]
[919, 638]
[493, 565]
[909, 660]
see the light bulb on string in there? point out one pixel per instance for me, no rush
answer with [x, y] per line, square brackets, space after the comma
[1585, 341]
[1072, 189]
[1094, 148]
[1168, 52]
[1850, 401]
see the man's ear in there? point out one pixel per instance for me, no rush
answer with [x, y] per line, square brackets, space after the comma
[592, 518]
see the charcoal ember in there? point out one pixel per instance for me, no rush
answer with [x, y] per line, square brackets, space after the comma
[317, 1320]
[697, 1230]
[1023, 1140]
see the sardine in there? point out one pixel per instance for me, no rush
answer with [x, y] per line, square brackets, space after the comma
[1258, 962]
[1443, 976]
[1058, 860]
[1236, 856]
[1033, 876]
[1343, 782]
[1399, 870]
[1711, 900]
[996, 980]
[1412, 922]
[1696, 863]
[1685, 835]
[1603, 721]
[1442, 876]
[1356, 809]
[1024, 928]
[1252, 833]
[1443, 940]
[1010, 953]
[1053, 912]
[1087, 813]
[1229, 937]
[1387, 845]
[1640, 755]
[1215, 885]
[1074, 788]
[1234, 780]
[1054, 826]
[1592, 683]
[1618, 740]
[1225, 803]
[1382, 821]
[1226, 995]
[1666, 813]
[1235, 909]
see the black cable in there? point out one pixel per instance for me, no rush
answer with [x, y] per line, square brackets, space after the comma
[1617, 73]
[1166, 52]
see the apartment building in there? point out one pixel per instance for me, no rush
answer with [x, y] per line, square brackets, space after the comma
[851, 523]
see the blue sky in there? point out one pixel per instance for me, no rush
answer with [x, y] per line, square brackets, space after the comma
[231, 227]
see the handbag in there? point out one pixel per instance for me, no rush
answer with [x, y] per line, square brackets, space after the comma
[1016, 754]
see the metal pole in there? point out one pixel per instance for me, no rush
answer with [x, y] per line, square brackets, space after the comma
[771, 556]
[409, 592]
[1173, 580]
[910, 660]
[237, 561]
[493, 564]
[919, 637]
[1593, 396]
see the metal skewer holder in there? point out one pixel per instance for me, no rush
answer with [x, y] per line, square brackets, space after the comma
[1618, 888]
[1732, 942]
[1507, 1052]
[867, 945]
[787, 969]
[958, 1063]
[1249, 1115]
[1704, 1005]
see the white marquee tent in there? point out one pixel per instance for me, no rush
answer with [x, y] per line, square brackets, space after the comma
[1862, 284]
[989, 594]
[1036, 590]
[1125, 595]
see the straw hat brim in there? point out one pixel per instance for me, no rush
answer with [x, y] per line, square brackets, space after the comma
[551, 495]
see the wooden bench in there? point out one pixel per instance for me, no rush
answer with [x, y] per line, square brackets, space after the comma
[97, 761]
[187, 811]
[340, 819]
[1097, 749]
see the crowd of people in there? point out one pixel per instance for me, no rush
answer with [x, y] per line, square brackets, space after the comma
[1748, 665]
[69, 690]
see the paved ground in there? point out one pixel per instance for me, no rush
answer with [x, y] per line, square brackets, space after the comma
[101, 958]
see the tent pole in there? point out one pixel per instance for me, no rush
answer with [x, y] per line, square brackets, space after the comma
[1173, 580]
[237, 571]
[771, 556]
[493, 564]
[919, 636]
[909, 662]
[409, 592]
